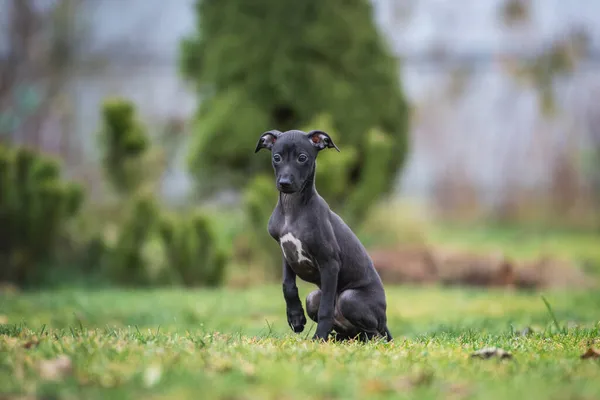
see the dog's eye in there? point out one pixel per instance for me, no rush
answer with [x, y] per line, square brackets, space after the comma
[302, 158]
[277, 158]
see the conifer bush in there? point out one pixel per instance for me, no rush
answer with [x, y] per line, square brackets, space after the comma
[189, 251]
[36, 205]
[192, 250]
[284, 64]
[125, 142]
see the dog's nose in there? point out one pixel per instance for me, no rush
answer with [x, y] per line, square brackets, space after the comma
[285, 183]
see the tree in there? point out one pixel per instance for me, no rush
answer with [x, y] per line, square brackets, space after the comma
[283, 64]
[42, 39]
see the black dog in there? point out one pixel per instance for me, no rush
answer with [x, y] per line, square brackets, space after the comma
[319, 247]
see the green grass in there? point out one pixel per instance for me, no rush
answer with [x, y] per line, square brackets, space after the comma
[236, 345]
[522, 243]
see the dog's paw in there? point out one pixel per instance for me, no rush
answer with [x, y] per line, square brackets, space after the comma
[320, 338]
[296, 320]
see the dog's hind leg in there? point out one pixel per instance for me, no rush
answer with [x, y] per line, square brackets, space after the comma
[313, 300]
[387, 334]
[354, 316]
[356, 311]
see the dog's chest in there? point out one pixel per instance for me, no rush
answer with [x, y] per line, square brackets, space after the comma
[298, 258]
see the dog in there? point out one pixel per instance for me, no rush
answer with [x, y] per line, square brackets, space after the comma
[318, 247]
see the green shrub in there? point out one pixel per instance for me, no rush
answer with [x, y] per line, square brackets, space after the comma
[332, 178]
[259, 200]
[374, 177]
[127, 264]
[125, 142]
[36, 205]
[182, 250]
[192, 250]
[285, 64]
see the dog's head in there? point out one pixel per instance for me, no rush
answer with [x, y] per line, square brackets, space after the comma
[293, 155]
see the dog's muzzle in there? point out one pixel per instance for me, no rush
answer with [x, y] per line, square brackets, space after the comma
[285, 185]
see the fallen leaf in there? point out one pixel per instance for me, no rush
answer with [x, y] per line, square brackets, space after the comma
[374, 386]
[416, 379]
[490, 352]
[591, 353]
[55, 369]
[403, 383]
[31, 343]
[457, 391]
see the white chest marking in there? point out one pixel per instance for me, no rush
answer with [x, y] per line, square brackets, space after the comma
[289, 238]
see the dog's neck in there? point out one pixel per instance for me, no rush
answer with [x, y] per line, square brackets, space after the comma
[291, 202]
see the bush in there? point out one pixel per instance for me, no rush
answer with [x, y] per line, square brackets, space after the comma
[332, 179]
[36, 205]
[287, 64]
[124, 143]
[127, 264]
[259, 200]
[182, 249]
[150, 247]
[192, 250]
[374, 178]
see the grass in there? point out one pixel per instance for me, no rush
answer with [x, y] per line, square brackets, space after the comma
[397, 222]
[523, 243]
[236, 345]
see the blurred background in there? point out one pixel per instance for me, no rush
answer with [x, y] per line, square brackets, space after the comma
[469, 135]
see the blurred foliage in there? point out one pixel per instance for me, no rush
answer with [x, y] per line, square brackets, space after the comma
[293, 65]
[391, 223]
[331, 176]
[126, 264]
[124, 143]
[375, 177]
[281, 64]
[156, 248]
[559, 59]
[192, 250]
[259, 200]
[36, 205]
[151, 248]
[515, 11]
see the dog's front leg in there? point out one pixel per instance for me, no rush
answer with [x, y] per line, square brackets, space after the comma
[329, 278]
[295, 312]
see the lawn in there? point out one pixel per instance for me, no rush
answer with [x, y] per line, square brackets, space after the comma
[236, 345]
[521, 243]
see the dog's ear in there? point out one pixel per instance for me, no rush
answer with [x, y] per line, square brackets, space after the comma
[267, 140]
[321, 140]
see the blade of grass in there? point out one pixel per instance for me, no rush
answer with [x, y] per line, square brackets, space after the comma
[552, 315]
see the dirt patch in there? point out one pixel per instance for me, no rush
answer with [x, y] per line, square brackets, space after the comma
[547, 272]
[461, 268]
[425, 265]
[407, 265]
